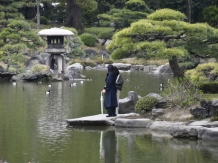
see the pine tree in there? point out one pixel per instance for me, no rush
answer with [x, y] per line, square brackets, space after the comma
[15, 33]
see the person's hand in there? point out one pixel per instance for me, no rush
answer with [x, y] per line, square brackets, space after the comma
[104, 91]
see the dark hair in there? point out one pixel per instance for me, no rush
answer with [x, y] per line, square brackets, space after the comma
[110, 68]
[116, 71]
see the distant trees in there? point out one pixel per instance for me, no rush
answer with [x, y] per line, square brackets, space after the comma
[121, 18]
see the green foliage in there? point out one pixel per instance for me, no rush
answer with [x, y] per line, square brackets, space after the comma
[145, 104]
[134, 10]
[214, 118]
[40, 68]
[209, 87]
[43, 20]
[207, 72]
[105, 61]
[100, 32]
[181, 93]
[210, 15]
[167, 14]
[15, 34]
[88, 39]
[74, 45]
[164, 36]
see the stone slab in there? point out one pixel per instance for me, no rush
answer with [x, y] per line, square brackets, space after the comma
[136, 123]
[97, 120]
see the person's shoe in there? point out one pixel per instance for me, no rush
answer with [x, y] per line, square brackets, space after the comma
[108, 116]
[114, 115]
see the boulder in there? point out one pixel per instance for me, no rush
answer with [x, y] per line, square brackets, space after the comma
[127, 105]
[2, 69]
[122, 66]
[90, 53]
[200, 112]
[104, 53]
[74, 71]
[150, 68]
[157, 112]
[137, 67]
[137, 123]
[35, 59]
[214, 108]
[32, 76]
[210, 134]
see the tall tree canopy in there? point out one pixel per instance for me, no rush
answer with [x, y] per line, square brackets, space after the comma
[165, 34]
[121, 18]
[15, 33]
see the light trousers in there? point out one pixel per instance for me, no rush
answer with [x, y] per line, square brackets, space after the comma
[118, 97]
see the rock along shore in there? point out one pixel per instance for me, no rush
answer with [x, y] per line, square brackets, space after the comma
[204, 129]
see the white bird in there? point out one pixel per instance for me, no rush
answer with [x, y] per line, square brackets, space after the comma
[49, 85]
[81, 82]
[14, 83]
[72, 84]
[47, 92]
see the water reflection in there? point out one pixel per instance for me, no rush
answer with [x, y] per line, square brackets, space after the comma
[109, 146]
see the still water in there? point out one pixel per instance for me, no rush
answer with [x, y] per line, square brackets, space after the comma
[33, 126]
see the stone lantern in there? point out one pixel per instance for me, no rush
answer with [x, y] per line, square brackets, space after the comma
[55, 47]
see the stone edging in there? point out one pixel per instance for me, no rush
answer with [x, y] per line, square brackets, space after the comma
[204, 130]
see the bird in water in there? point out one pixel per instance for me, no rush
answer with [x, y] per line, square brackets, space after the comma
[137, 86]
[49, 85]
[14, 83]
[72, 84]
[23, 88]
[81, 82]
[161, 88]
[48, 92]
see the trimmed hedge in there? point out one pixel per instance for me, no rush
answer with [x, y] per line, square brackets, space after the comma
[88, 39]
[145, 104]
[209, 87]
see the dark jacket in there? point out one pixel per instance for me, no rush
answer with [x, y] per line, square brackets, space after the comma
[110, 95]
[119, 82]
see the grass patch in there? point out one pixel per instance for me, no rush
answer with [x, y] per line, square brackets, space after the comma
[208, 97]
[141, 61]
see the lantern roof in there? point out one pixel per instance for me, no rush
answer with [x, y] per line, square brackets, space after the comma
[55, 32]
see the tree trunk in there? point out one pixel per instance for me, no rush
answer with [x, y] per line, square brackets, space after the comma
[175, 67]
[38, 15]
[189, 10]
[74, 17]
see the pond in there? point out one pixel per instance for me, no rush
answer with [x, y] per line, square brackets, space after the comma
[33, 126]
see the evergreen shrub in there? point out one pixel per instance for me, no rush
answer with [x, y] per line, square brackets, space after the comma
[145, 104]
[209, 87]
[40, 68]
[88, 39]
[100, 32]
[43, 20]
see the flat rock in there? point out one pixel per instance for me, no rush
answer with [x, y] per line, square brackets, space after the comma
[137, 123]
[98, 120]
[210, 134]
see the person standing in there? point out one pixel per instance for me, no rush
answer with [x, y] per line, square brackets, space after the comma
[119, 85]
[110, 90]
